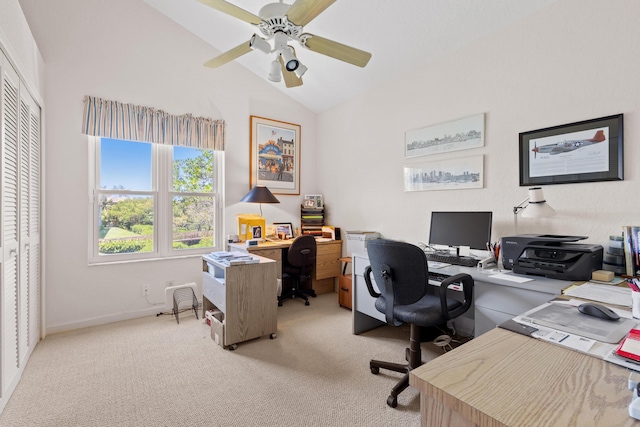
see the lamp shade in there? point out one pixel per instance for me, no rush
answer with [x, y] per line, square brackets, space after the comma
[260, 194]
[538, 206]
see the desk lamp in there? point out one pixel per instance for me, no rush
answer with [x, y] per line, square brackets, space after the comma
[534, 206]
[260, 194]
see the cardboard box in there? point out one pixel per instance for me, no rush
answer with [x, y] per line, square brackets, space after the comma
[357, 241]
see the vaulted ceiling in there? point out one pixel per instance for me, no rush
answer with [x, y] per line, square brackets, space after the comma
[400, 35]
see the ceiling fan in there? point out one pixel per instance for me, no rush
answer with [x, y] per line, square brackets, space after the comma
[279, 23]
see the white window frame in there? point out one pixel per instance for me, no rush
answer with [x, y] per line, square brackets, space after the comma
[162, 176]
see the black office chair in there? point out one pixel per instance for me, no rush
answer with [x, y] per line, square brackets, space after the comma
[301, 257]
[401, 273]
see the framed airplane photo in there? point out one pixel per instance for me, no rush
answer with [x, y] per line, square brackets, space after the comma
[586, 151]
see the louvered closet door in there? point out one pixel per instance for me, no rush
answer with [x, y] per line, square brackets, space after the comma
[33, 270]
[9, 229]
[28, 247]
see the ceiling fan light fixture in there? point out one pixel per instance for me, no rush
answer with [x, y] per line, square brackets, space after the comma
[275, 74]
[291, 63]
[260, 44]
[300, 70]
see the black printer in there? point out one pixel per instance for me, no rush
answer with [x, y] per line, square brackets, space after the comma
[552, 256]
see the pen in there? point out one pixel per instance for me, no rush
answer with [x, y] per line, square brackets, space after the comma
[563, 338]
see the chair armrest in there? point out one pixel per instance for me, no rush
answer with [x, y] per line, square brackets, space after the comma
[367, 280]
[467, 291]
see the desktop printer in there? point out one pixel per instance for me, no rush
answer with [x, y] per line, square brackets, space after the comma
[551, 256]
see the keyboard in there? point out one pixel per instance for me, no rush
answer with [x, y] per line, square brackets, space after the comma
[452, 259]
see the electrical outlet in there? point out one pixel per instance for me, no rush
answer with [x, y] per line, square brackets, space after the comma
[145, 290]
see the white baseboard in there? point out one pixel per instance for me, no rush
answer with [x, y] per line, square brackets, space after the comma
[54, 329]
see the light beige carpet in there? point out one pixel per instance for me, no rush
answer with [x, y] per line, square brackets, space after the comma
[154, 372]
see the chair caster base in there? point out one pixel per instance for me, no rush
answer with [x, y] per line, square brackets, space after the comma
[392, 401]
[375, 370]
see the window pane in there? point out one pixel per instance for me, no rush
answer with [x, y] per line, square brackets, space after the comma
[192, 222]
[192, 170]
[126, 224]
[125, 165]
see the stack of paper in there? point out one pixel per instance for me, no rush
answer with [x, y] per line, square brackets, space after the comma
[603, 293]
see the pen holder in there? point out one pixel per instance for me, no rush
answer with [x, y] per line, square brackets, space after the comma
[635, 304]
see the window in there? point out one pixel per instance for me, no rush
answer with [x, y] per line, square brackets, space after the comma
[153, 200]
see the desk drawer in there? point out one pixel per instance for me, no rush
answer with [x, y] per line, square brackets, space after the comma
[507, 299]
[214, 291]
[328, 260]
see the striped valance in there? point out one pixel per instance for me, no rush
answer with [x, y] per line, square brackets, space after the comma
[113, 119]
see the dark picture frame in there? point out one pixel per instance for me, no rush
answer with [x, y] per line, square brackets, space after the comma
[587, 151]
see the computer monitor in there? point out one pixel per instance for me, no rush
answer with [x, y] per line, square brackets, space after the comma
[455, 229]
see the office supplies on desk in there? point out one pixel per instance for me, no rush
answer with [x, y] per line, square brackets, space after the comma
[452, 259]
[556, 257]
[567, 318]
[635, 304]
[598, 310]
[630, 346]
[520, 328]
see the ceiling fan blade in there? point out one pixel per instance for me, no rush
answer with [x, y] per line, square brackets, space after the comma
[290, 78]
[303, 11]
[338, 50]
[233, 10]
[229, 55]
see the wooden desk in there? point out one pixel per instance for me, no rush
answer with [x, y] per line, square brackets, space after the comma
[325, 271]
[506, 379]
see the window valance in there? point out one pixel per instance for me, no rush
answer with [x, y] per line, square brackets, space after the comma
[113, 119]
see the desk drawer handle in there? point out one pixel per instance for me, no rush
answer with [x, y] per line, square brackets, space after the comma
[345, 289]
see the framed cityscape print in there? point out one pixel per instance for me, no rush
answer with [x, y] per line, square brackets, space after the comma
[449, 174]
[275, 155]
[460, 134]
[586, 151]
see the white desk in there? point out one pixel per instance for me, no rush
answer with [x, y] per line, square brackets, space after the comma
[495, 300]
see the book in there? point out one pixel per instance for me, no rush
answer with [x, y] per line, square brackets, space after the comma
[631, 245]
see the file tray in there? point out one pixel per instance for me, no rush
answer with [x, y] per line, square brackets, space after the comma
[567, 318]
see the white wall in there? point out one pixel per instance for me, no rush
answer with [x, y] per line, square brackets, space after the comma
[574, 60]
[126, 51]
[18, 43]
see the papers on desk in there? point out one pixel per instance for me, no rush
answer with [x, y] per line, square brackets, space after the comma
[603, 293]
[436, 264]
[511, 277]
[575, 341]
[233, 258]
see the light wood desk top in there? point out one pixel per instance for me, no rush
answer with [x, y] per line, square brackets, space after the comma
[506, 379]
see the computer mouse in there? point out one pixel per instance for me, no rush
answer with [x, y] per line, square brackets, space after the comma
[598, 310]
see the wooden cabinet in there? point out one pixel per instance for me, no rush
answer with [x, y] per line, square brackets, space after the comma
[345, 282]
[246, 294]
[327, 266]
